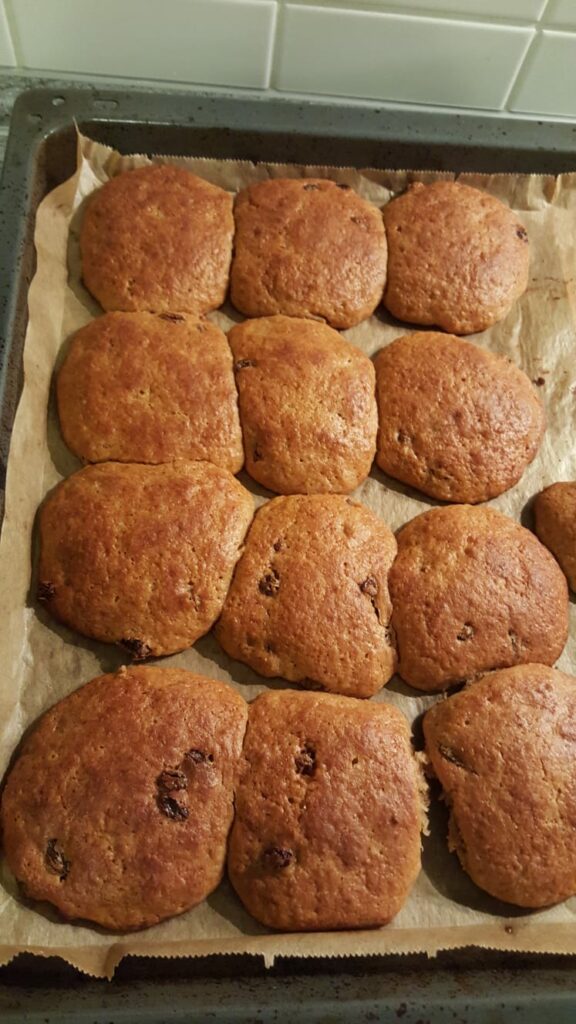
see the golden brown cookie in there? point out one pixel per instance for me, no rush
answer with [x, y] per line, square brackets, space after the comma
[472, 590]
[307, 405]
[503, 750]
[309, 600]
[328, 813]
[118, 806]
[142, 556]
[555, 520]
[307, 247]
[159, 239]
[457, 257]
[135, 387]
[456, 421]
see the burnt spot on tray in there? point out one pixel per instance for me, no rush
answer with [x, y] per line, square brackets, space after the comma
[55, 860]
[269, 585]
[539, 382]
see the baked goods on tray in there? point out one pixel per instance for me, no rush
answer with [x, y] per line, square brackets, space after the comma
[307, 247]
[118, 806]
[455, 421]
[157, 238]
[142, 556]
[457, 257]
[503, 750]
[328, 813]
[135, 387]
[307, 405]
[309, 600]
[555, 521]
[472, 590]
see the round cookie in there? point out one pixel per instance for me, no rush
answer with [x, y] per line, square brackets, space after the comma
[307, 405]
[503, 750]
[135, 387]
[142, 556]
[328, 813]
[118, 806]
[457, 257]
[309, 600]
[307, 247]
[555, 521]
[474, 439]
[471, 591]
[159, 239]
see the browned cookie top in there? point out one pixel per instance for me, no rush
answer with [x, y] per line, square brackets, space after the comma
[118, 806]
[307, 247]
[309, 600]
[307, 405]
[555, 518]
[457, 257]
[456, 421]
[135, 387]
[503, 750]
[160, 239]
[472, 591]
[142, 556]
[328, 813]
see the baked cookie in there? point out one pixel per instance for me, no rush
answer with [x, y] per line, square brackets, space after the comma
[142, 556]
[307, 405]
[309, 600]
[503, 750]
[328, 813]
[307, 247]
[457, 257]
[135, 387]
[159, 239]
[472, 590]
[555, 521]
[118, 807]
[478, 434]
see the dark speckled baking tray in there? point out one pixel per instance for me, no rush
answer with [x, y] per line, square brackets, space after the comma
[470, 986]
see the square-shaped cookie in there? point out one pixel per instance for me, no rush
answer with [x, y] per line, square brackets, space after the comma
[135, 387]
[328, 813]
[307, 405]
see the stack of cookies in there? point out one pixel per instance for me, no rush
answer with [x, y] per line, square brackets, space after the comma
[314, 798]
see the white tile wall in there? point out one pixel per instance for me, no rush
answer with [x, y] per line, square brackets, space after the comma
[418, 60]
[7, 57]
[548, 85]
[513, 55]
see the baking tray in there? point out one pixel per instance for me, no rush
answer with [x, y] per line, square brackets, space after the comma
[463, 986]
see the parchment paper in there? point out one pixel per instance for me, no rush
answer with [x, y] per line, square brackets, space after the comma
[42, 661]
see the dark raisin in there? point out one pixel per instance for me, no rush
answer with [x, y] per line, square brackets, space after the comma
[369, 586]
[199, 757]
[243, 363]
[270, 583]
[539, 382]
[466, 633]
[171, 316]
[46, 591]
[311, 187]
[277, 545]
[257, 454]
[278, 856]
[172, 809]
[137, 648]
[55, 860]
[522, 234]
[171, 780]
[305, 761]
[345, 188]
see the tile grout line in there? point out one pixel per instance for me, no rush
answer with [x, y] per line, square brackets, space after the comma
[13, 32]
